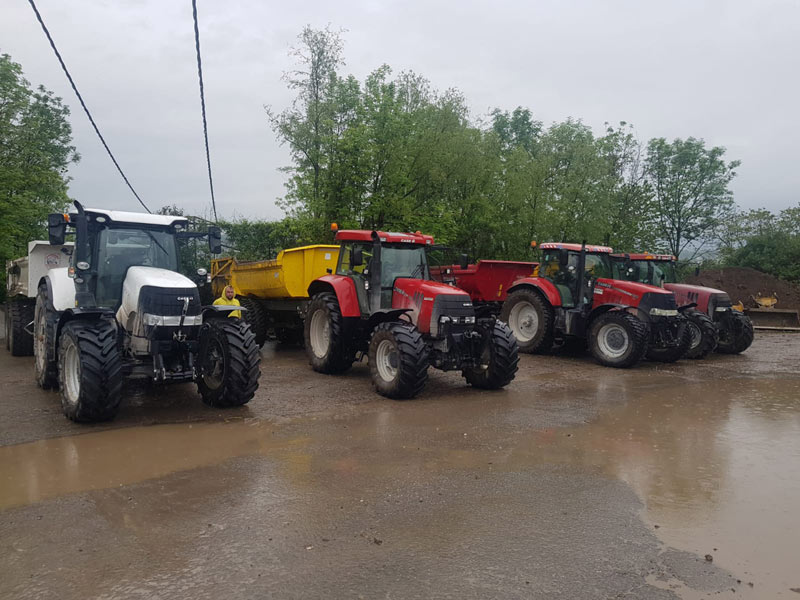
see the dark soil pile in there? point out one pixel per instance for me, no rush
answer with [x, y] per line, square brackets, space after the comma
[741, 283]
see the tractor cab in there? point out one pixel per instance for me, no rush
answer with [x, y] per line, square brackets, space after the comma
[574, 270]
[376, 260]
[653, 269]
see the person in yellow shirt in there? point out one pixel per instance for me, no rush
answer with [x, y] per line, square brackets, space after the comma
[228, 298]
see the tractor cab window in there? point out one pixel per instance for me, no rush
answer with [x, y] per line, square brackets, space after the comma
[348, 250]
[667, 271]
[119, 248]
[598, 265]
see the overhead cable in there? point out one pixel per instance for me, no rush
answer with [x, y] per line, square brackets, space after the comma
[203, 105]
[83, 104]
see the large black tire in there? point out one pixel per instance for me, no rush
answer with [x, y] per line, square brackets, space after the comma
[498, 362]
[618, 339]
[704, 336]
[256, 317]
[673, 353]
[736, 333]
[229, 363]
[530, 319]
[398, 360]
[19, 313]
[89, 371]
[327, 348]
[45, 367]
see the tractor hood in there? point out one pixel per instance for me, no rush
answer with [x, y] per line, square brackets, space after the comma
[684, 288]
[632, 287]
[428, 289]
[170, 288]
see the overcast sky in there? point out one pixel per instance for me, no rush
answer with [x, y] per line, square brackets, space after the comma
[727, 71]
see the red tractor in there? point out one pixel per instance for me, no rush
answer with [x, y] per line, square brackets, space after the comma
[381, 302]
[713, 322]
[572, 295]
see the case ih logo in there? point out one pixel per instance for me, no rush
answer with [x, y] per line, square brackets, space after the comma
[185, 298]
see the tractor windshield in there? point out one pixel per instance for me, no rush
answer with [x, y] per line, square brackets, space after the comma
[649, 271]
[403, 260]
[121, 247]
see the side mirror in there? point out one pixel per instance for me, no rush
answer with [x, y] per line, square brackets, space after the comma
[357, 257]
[463, 261]
[56, 229]
[214, 239]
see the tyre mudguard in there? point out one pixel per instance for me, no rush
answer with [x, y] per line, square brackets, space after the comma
[60, 289]
[218, 311]
[541, 285]
[345, 290]
[381, 316]
[686, 307]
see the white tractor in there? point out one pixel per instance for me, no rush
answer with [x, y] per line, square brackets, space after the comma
[121, 309]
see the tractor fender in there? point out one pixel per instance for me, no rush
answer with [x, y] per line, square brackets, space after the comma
[220, 311]
[343, 287]
[60, 289]
[542, 286]
[59, 319]
[604, 308]
[381, 316]
[686, 307]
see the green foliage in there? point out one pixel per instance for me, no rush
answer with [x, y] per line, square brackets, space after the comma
[35, 152]
[690, 184]
[764, 241]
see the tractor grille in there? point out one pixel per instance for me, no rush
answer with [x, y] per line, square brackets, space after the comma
[662, 301]
[165, 301]
[455, 306]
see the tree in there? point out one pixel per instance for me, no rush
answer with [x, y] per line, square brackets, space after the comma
[35, 152]
[690, 186]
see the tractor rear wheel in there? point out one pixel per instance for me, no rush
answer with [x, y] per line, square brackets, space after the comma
[677, 352]
[256, 317]
[398, 360]
[736, 333]
[45, 367]
[530, 319]
[618, 339]
[327, 348]
[498, 362]
[229, 363]
[703, 334]
[89, 371]
[19, 314]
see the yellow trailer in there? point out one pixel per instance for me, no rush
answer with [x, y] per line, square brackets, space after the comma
[275, 292]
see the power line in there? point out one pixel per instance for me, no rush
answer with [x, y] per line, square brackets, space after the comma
[83, 104]
[203, 105]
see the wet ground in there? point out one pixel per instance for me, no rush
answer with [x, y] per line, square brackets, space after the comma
[576, 482]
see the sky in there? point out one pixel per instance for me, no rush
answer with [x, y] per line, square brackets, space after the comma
[725, 71]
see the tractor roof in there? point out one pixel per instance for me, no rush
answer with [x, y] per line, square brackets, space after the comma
[363, 235]
[576, 247]
[118, 216]
[647, 256]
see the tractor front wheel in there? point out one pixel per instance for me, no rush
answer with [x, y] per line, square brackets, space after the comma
[530, 319]
[89, 371]
[498, 362]
[704, 336]
[326, 347]
[736, 333]
[618, 339]
[398, 360]
[229, 363]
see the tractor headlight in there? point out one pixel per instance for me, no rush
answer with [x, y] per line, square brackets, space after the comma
[83, 265]
[663, 312]
[171, 321]
[469, 320]
[444, 319]
[722, 308]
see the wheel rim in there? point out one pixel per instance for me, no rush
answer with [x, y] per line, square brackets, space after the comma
[387, 360]
[696, 334]
[320, 334]
[524, 321]
[613, 340]
[214, 367]
[72, 374]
